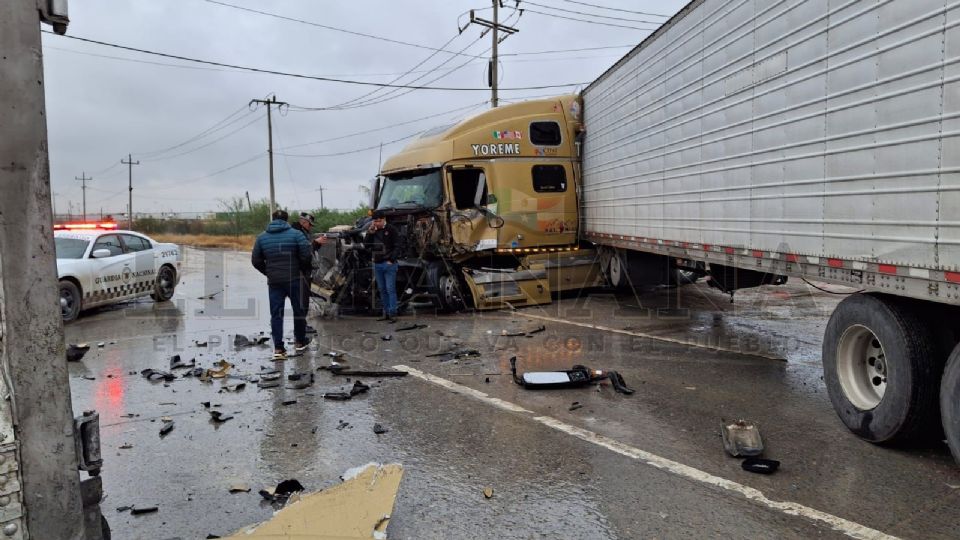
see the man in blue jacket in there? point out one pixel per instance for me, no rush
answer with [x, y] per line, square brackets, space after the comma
[282, 254]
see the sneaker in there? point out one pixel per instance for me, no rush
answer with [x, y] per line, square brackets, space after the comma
[302, 346]
[279, 354]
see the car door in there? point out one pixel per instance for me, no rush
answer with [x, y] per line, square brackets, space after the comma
[142, 265]
[110, 273]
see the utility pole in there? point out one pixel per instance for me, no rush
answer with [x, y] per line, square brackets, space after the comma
[494, 25]
[249, 206]
[130, 163]
[320, 189]
[270, 103]
[42, 487]
[83, 186]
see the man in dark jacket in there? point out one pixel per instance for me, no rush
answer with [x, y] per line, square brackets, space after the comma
[305, 225]
[384, 241]
[283, 254]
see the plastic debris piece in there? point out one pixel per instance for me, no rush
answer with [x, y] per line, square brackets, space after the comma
[413, 326]
[575, 405]
[741, 438]
[166, 429]
[232, 388]
[342, 425]
[206, 404]
[139, 510]
[156, 375]
[222, 368]
[101, 345]
[488, 492]
[760, 465]
[76, 351]
[268, 383]
[219, 417]
[288, 402]
[239, 487]
[283, 490]
[125, 446]
[359, 388]
[365, 373]
[337, 396]
[379, 430]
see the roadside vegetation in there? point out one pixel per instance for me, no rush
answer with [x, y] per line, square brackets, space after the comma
[237, 225]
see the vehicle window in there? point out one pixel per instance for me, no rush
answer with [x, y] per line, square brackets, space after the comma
[545, 133]
[135, 243]
[108, 241]
[549, 178]
[70, 248]
[422, 189]
[469, 188]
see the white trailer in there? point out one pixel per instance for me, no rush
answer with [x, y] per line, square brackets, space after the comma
[764, 139]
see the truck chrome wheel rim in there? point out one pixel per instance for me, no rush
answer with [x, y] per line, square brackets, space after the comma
[862, 367]
[449, 290]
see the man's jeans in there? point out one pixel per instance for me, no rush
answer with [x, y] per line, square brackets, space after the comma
[386, 275]
[278, 295]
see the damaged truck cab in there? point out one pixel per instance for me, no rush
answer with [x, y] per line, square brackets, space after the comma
[487, 209]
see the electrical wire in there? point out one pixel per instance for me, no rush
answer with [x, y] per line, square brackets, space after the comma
[569, 50]
[830, 292]
[311, 23]
[171, 185]
[616, 9]
[354, 151]
[613, 25]
[309, 77]
[610, 17]
[220, 124]
[218, 139]
[374, 130]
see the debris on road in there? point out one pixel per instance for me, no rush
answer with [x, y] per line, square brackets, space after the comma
[239, 487]
[760, 465]
[125, 446]
[386, 337]
[575, 377]
[210, 296]
[456, 354]
[488, 492]
[166, 429]
[241, 341]
[288, 402]
[232, 388]
[177, 363]
[76, 351]
[379, 430]
[199, 343]
[282, 491]
[342, 425]
[741, 438]
[155, 375]
[222, 368]
[346, 371]
[413, 326]
[358, 508]
[575, 405]
[299, 381]
[140, 510]
[219, 417]
[101, 345]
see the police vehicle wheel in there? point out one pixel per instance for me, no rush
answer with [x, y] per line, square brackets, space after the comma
[166, 282]
[69, 300]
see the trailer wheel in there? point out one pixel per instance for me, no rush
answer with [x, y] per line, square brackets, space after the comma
[950, 402]
[879, 364]
[617, 270]
[449, 294]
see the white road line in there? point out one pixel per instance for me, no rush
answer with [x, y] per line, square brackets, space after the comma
[847, 527]
[650, 336]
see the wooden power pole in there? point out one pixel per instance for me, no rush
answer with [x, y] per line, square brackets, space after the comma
[83, 186]
[495, 27]
[130, 163]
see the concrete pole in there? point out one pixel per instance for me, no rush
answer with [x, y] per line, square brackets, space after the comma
[273, 201]
[31, 331]
[494, 75]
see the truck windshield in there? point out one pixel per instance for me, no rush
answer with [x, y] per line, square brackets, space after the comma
[406, 190]
[70, 248]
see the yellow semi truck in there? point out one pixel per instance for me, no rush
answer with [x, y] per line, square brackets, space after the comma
[488, 209]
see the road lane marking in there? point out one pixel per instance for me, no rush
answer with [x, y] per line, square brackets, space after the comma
[847, 527]
[650, 336]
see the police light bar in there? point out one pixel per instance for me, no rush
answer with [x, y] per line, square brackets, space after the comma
[85, 226]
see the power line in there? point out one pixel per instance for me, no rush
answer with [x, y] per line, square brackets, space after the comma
[614, 25]
[575, 12]
[310, 77]
[214, 141]
[569, 50]
[374, 130]
[210, 175]
[615, 9]
[351, 32]
[220, 124]
[356, 150]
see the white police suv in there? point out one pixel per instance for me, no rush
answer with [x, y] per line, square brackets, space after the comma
[99, 265]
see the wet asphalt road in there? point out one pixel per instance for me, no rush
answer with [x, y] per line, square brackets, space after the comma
[611, 469]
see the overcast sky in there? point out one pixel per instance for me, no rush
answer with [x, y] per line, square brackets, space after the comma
[104, 102]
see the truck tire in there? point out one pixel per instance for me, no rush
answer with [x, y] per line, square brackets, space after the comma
[881, 369]
[166, 283]
[449, 294]
[617, 271]
[70, 300]
[950, 402]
